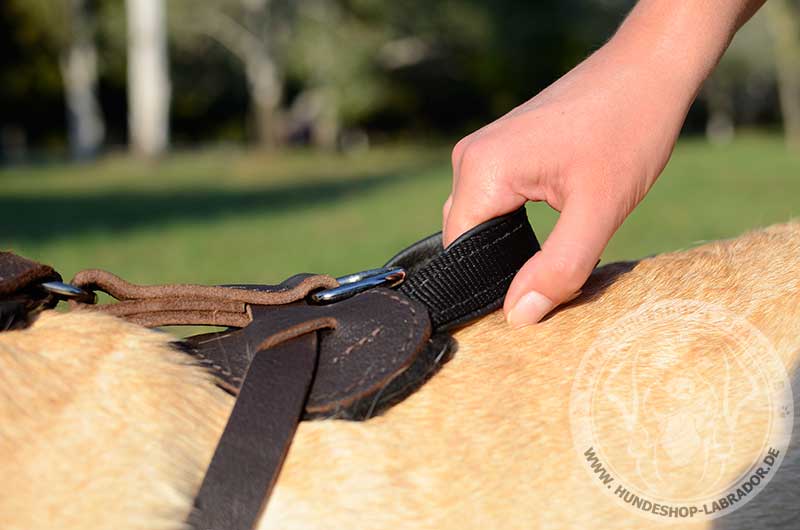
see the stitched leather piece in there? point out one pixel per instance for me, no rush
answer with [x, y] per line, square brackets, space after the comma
[373, 337]
[469, 278]
[253, 446]
[376, 348]
[438, 350]
[368, 341]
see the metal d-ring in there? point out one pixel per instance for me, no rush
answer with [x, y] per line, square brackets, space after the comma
[66, 291]
[358, 282]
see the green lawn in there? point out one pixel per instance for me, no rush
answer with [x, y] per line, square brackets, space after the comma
[219, 216]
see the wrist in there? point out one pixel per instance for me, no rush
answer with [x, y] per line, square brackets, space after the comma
[676, 44]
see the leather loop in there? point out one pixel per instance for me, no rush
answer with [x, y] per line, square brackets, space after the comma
[194, 305]
[291, 290]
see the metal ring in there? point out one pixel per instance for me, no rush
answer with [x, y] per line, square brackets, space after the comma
[352, 284]
[66, 291]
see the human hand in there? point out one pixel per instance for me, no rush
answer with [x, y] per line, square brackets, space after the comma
[591, 146]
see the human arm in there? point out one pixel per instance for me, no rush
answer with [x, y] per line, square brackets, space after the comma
[592, 144]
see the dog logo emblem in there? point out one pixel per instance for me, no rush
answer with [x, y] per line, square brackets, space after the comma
[681, 410]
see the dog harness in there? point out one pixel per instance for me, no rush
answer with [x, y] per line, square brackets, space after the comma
[312, 347]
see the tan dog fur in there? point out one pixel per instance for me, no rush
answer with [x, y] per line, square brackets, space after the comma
[102, 425]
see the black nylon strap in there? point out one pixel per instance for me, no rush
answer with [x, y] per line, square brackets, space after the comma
[469, 278]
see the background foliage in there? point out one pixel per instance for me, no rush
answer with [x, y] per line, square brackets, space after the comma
[373, 68]
[315, 134]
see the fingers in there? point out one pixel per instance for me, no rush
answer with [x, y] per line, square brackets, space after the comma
[481, 190]
[493, 177]
[466, 211]
[556, 273]
[446, 210]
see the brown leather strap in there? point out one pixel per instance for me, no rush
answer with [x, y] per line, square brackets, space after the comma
[369, 340]
[279, 370]
[252, 448]
[372, 338]
[379, 343]
[194, 305]
[20, 295]
[18, 273]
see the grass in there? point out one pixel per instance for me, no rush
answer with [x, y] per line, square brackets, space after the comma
[222, 215]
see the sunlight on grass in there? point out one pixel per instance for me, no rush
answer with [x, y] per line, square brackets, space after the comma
[220, 215]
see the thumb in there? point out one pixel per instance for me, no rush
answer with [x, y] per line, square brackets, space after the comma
[556, 273]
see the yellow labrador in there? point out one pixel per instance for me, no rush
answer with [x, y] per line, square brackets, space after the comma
[661, 389]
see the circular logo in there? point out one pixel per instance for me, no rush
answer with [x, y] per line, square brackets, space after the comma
[681, 410]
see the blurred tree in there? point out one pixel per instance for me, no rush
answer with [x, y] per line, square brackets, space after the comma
[255, 32]
[742, 87]
[67, 30]
[333, 62]
[483, 58]
[315, 67]
[79, 71]
[148, 77]
[784, 17]
[328, 72]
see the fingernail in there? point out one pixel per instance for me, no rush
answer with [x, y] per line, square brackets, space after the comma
[529, 309]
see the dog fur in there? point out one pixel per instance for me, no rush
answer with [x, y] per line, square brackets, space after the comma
[104, 425]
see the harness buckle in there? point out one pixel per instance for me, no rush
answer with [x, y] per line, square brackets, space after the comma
[66, 291]
[352, 284]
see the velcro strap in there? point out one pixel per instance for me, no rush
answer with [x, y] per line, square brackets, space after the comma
[470, 277]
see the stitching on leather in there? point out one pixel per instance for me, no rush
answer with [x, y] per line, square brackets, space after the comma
[207, 361]
[407, 342]
[362, 341]
[359, 343]
[373, 333]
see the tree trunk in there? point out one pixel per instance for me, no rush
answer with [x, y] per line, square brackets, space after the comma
[265, 96]
[264, 77]
[313, 116]
[784, 22]
[148, 77]
[78, 63]
[720, 127]
[327, 125]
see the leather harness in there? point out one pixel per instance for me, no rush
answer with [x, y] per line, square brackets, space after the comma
[310, 347]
